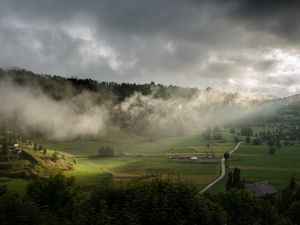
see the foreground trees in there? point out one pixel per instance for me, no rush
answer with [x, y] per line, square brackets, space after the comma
[57, 194]
[243, 208]
[235, 181]
[16, 210]
[156, 201]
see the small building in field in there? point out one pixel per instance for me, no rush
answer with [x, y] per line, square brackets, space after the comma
[261, 189]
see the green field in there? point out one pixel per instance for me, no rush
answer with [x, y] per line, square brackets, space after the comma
[87, 173]
[136, 145]
[257, 165]
[132, 167]
[141, 157]
[14, 184]
[144, 158]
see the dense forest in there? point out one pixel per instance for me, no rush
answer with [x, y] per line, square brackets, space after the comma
[150, 202]
[58, 87]
[150, 110]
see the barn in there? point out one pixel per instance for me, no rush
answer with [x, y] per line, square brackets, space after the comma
[261, 189]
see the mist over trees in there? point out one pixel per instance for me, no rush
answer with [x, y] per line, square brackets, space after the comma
[75, 107]
[58, 87]
[68, 108]
[85, 107]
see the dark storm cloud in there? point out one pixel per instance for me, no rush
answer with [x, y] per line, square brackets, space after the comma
[184, 42]
[274, 16]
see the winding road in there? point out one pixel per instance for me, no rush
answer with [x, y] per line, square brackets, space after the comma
[223, 170]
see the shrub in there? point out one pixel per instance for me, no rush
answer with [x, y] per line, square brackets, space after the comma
[106, 151]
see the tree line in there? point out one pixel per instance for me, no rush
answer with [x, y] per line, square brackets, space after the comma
[58, 87]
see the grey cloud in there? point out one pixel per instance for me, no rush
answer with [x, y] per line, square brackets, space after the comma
[127, 40]
[274, 16]
[284, 80]
[266, 65]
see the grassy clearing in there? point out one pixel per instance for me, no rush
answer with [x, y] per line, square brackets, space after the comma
[199, 174]
[87, 172]
[256, 165]
[145, 158]
[14, 184]
[278, 168]
[178, 144]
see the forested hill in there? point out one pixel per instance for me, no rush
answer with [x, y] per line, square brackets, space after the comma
[145, 109]
[151, 110]
[59, 87]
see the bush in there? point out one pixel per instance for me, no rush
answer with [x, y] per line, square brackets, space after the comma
[226, 155]
[236, 139]
[106, 151]
[246, 131]
[248, 140]
[206, 136]
[256, 141]
[294, 212]
[272, 150]
[54, 156]
[217, 136]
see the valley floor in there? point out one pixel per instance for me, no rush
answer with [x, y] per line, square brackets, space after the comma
[141, 158]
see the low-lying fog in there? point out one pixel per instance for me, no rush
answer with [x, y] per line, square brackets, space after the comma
[80, 115]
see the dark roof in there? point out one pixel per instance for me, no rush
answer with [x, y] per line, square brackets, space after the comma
[261, 188]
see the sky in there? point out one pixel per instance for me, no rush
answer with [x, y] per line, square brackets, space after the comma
[236, 45]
